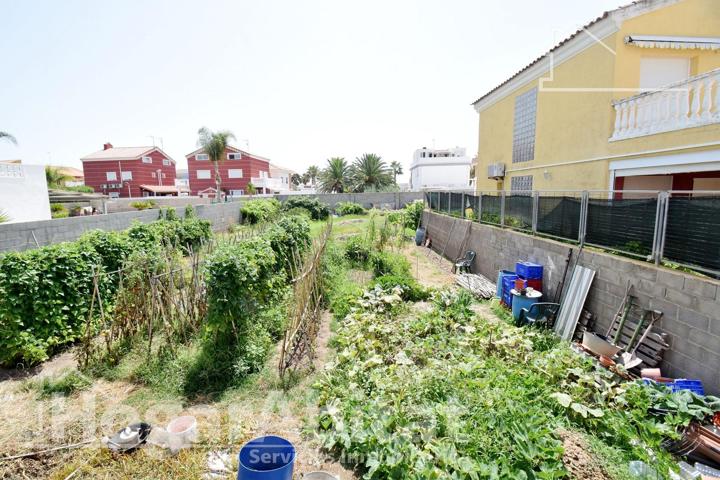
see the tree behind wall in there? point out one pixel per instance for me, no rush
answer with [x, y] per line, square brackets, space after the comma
[334, 178]
[312, 173]
[55, 177]
[397, 169]
[215, 144]
[370, 172]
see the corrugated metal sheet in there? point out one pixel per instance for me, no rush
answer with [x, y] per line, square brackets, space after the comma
[573, 302]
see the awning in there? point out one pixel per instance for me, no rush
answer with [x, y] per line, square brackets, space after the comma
[674, 43]
[164, 188]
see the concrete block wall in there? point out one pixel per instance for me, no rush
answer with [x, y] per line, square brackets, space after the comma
[23, 236]
[123, 204]
[392, 200]
[690, 304]
[27, 235]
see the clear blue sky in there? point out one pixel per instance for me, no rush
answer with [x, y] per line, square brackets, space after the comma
[300, 80]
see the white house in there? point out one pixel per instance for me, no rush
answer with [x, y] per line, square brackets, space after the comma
[23, 192]
[440, 168]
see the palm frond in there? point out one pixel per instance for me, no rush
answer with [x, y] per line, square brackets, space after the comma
[370, 172]
[334, 178]
[8, 137]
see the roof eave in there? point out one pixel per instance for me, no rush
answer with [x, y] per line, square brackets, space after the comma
[601, 27]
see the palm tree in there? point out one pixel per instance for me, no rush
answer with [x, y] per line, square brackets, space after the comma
[250, 188]
[370, 172]
[8, 137]
[296, 179]
[305, 178]
[215, 144]
[55, 177]
[312, 173]
[335, 177]
[396, 168]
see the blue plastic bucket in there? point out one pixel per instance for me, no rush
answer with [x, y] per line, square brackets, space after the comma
[501, 275]
[266, 458]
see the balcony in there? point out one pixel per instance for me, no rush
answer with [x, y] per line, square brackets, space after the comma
[274, 184]
[11, 170]
[690, 103]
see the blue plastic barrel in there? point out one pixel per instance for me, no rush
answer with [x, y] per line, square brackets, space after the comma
[266, 458]
[419, 236]
[523, 301]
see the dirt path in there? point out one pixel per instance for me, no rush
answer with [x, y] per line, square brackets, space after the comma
[429, 268]
[295, 409]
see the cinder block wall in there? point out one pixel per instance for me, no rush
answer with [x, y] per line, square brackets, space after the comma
[393, 200]
[690, 304]
[27, 235]
[124, 204]
[23, 236]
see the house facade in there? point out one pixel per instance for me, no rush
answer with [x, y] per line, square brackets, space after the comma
[631, 101]
[23, 192]
[237, 170]
[440, 168]
[75, 176]
[122, 172]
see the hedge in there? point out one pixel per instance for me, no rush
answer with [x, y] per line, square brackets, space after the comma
[45, 294]
[44, 299]
[259, 210]
[318, 211]
[349, 208]
[288, 237]
[245, 283]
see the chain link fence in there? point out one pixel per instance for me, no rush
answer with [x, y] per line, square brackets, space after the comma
[679, 227]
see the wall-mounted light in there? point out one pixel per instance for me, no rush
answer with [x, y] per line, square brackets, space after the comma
[547, 175]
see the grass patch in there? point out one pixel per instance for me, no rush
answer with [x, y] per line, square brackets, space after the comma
[67, 383]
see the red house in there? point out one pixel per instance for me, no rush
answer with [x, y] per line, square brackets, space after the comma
[130, 172]
[237, 169]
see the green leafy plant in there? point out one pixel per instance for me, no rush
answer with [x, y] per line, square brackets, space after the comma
[58, 210]
[260, 210]
[189, 212]
[45, 297]
[317, 210]
[357, 250]
[289, 238]
[447, 394]
[143, 204]
[349, 208]
[413, 214]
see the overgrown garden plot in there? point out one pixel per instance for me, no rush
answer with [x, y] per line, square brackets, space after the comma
[422, 385]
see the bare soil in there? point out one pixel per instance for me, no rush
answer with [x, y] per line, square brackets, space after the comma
[429, 268]
[579, 460]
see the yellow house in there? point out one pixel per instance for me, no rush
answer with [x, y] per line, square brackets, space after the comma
[631, 101]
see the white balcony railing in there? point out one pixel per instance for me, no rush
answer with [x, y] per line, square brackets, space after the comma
[11, 170]
[269, 183]
[690, 103]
